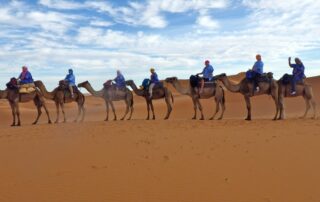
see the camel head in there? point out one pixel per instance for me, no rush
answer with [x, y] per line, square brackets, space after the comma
[171, 79]
[81, 85]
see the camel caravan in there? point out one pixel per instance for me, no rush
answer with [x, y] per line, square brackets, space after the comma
[203, 85]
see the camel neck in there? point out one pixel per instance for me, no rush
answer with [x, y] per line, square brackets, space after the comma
[235, 88]
[45, 92]
[136, 90]
[93, 92]
[184, 91]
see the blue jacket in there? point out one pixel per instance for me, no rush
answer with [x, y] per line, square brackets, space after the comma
[154, 78]
[298, 71]
[258, 67]
[207, 72]
[120, 81]
[71, 79]
[27, 78]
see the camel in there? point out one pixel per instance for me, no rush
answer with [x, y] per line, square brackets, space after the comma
[14, 98]
[215, 91]
[303, 90]
[158, 93]
[245, 87]
[110, 94]
[60, 97]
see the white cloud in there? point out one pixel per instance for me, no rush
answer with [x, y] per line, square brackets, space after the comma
[205, 20]
[149, 13]
[61, 4]
[41, 39]
[101, 23]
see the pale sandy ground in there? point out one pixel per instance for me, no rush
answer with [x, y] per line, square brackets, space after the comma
[178, 160]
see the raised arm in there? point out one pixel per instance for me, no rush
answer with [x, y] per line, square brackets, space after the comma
[289, 62]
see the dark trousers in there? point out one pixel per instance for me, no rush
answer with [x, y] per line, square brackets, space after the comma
[294, 82]
[255, 79]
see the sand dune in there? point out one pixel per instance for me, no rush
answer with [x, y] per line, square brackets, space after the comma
[176, 160]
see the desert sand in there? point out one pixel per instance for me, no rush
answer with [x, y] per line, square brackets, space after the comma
[178, 160]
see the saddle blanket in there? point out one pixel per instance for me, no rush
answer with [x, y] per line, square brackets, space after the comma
[27, 88]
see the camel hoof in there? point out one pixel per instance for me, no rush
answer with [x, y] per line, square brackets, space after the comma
[194, 118]
[201, 119]
[34, 123]
[166, 118]
[220, 118]
[248, 119]
[211, 118]
[13, 125]
[122, 119]
[49, 122]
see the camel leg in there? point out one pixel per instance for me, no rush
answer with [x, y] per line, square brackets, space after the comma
[169, 107]
[194, 108]
[217, 109]
[247, 99]
[58, 112]
[148, 109]
[18, 114]
[276, 101]
[307, 101]
[152, 109]
[38, 115]
[80, 108]
[127, 109]
[281, 107]
[107, 110]
[47, 112]
[13, 111]
[223, 106]
[63, 113]
[131, 109]
[113, 110]
[314, 106]
[200, 109]
[83, 108]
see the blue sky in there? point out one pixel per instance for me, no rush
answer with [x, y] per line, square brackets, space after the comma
[96, 38]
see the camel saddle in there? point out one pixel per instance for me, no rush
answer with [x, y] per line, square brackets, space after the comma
[146, 83]
[64, 85]
[265, 77]
[287, 78]
[27, 88]
[195, 82]
[110, 85]
[23, 88]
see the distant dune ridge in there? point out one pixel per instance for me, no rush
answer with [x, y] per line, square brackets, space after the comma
[154, 161]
